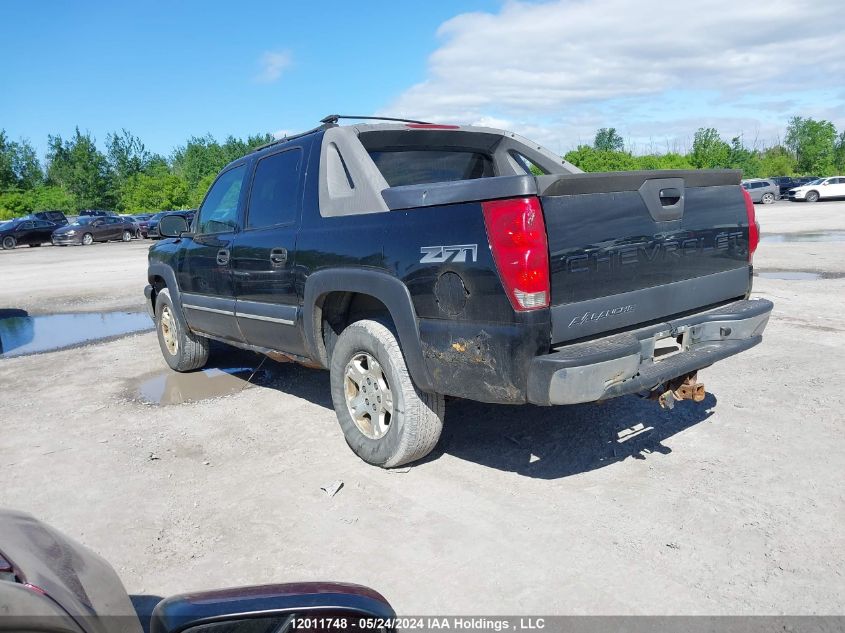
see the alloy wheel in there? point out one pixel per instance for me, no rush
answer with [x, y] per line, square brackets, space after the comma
[168, 330]
[368, 395]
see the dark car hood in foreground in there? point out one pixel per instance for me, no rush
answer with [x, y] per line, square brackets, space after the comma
[76, 578]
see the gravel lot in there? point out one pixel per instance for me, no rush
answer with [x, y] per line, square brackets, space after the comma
[734, 506]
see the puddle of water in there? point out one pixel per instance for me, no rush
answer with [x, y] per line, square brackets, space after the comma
[805, 236]
[790, 275]
[170, 387]
[21, 335]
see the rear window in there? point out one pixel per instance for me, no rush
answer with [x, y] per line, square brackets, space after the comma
[420, 166]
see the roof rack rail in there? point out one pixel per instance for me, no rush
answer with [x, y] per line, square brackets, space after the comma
[332, 119]
[287, 138]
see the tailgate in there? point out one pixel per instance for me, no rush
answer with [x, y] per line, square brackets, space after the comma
[632, 247]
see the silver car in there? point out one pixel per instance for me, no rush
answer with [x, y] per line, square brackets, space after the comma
[761, 190]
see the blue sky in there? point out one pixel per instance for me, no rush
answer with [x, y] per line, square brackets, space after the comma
[169, 70]
[554, 70]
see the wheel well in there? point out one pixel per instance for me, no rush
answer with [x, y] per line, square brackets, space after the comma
[335, 311]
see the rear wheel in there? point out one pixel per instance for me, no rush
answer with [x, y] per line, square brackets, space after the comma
[87, 239]
[386, 420]
[182, 350]
[9, 242]
[812, 196]
[768, 198]
[127, 236]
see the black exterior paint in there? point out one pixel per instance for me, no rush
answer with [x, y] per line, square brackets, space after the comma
[601, 244]
[28, 231]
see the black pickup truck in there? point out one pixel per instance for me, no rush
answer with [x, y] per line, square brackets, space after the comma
[416, 261]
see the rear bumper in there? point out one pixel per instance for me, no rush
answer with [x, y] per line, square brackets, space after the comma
[625, 363]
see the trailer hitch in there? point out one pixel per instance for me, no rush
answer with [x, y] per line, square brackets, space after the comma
[682, 388]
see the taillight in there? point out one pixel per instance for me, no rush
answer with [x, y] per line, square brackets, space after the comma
[753, 225]
[517, 235]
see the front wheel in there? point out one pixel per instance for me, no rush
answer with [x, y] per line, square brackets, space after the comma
[87, 239]
[182, 350]
[386, 420]
[768, 198]
[9, 243]
[812, 196]
[127, 236]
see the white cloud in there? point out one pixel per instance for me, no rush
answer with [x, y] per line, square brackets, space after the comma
[570, 66]
[273, 63]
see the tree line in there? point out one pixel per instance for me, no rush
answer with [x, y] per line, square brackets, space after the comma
[810, 147]
[128, 178]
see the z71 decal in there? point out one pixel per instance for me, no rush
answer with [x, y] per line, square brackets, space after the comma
[456, 253]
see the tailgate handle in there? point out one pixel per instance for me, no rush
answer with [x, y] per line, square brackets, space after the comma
[669, 196]
[664, 198]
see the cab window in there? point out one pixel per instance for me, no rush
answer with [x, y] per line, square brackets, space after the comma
[219, 211]
[274, 198]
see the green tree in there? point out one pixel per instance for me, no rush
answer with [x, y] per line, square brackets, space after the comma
[126, 155]
[591, 159]
[777, 161]
[670, 160]
[812, 142]
[19, 166]
[156, 189]
[744, 159]
[608, 140]
[709, 151]
[78, 167]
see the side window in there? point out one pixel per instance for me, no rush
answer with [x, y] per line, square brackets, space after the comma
[41, 224]
[26, 226]
[219, 211]
[274, 197]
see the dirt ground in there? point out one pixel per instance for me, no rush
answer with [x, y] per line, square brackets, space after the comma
[733, 506]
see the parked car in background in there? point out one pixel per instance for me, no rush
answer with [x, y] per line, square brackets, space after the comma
[87, 229]
[29, 231]
[143, 222]
[51, 584]
[96, 212]
[785, 183]
[152, 226]
[56, 217]
[761, 190]
[820, 189]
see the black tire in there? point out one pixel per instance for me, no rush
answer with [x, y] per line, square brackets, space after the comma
[416, 418]
[87, 239]
[9, 242]
[127, 236]
[768, 198]
[190, 351]
[812, 196]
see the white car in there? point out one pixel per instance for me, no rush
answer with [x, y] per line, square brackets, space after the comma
[819, 189]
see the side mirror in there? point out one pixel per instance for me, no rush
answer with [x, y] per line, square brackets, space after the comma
[312, 606]
[172, 226]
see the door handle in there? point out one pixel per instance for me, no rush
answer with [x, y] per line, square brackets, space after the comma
[279, 256]
[223, 256]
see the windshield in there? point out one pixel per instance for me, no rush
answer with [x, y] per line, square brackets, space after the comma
[85, 219]
[817, 181]
[5, 226]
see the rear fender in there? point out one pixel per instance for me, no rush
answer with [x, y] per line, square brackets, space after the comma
[382, 286]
